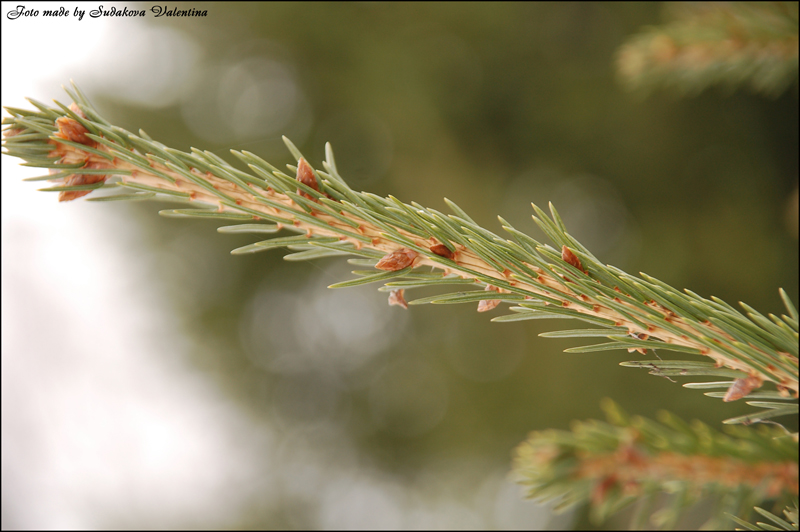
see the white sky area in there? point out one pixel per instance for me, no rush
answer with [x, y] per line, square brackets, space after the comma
[102, 424]
[104, 421]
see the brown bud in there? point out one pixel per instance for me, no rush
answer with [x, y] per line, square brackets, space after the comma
[69, 195]
[486, 305]
[396, 297]
[742, 388]
[306, 176]
[81, 179]
[640, 336]
[71, 129]
[570, 258]
[77, 110]
[397, 260]
[442, 251]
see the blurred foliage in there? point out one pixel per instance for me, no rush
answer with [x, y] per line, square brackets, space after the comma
[773, 522]
[494, 106]
[635, 460]
[732, 43]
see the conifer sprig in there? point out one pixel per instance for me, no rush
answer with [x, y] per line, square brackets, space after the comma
[612, 465]
[708, 43]
[411, 246]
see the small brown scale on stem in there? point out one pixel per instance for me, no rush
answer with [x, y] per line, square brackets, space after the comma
[570, 258]
[742, 388]
[305, 175]
[442, 251]
[488, 304]
[397, 260]
[397, 298]
[639, 336]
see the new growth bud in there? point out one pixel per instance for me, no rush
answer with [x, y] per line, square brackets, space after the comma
[570, 258]
[742, 388]
[305, 174]
[442, 251]
[397, 260]
[72, 130]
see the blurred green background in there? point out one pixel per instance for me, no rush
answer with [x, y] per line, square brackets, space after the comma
[494, 106]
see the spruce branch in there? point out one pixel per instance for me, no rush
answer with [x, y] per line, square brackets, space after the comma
[411, 246]
[612, 465]
[708, 43]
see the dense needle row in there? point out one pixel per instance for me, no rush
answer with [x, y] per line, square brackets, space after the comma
[412, 246]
